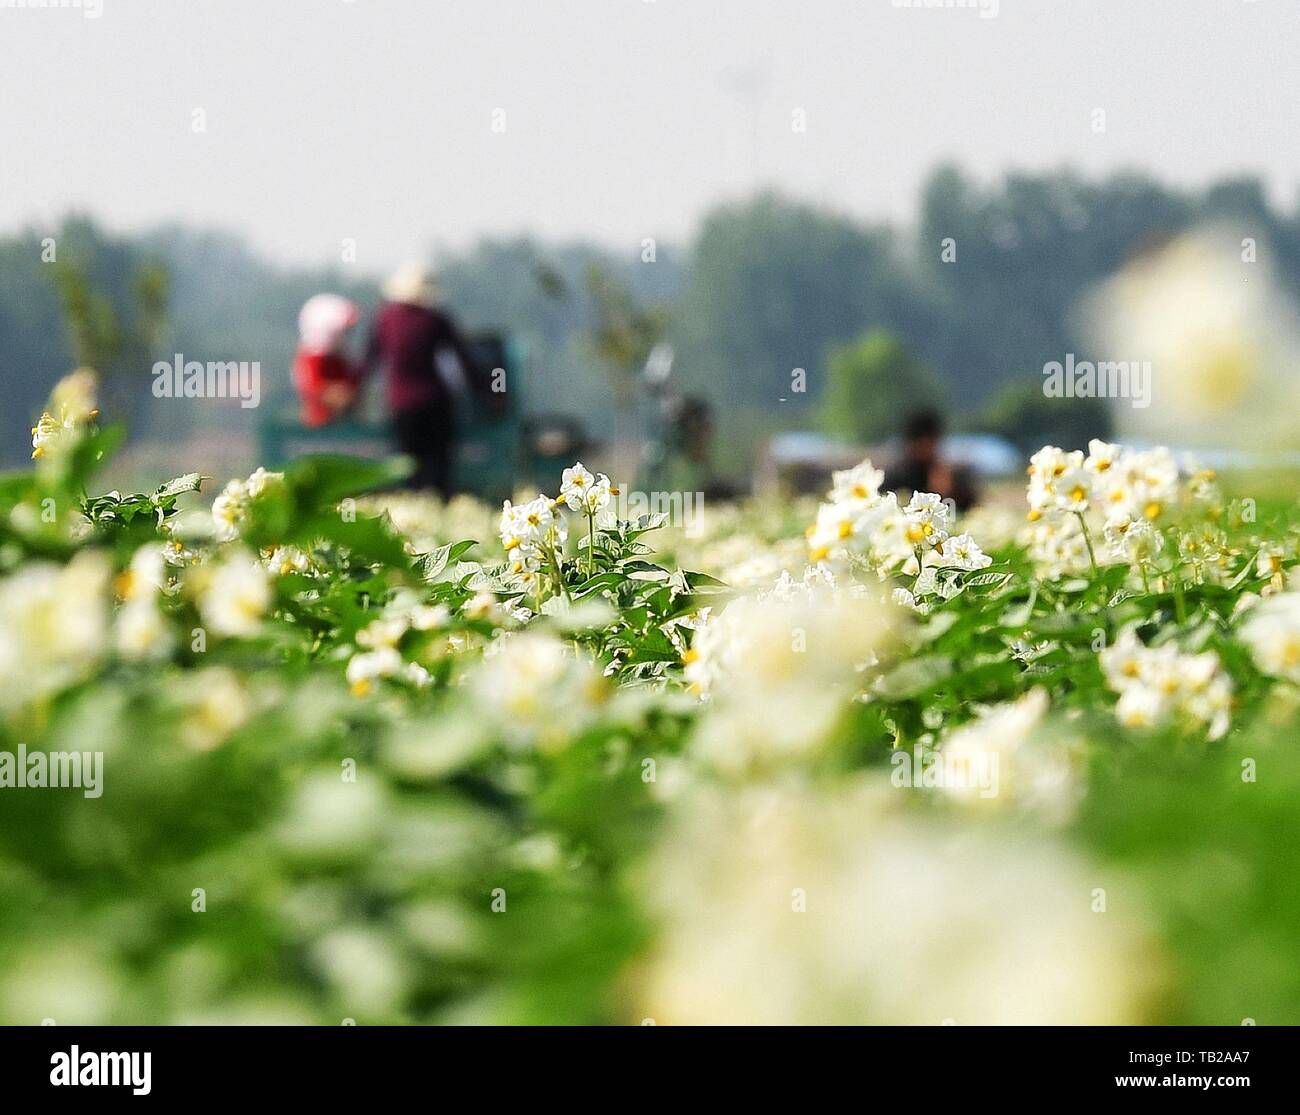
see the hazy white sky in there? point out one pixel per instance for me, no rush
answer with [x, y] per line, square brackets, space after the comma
[373, 119]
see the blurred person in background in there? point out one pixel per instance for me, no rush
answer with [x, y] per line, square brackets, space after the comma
[690, 467]
[325, 378]
[427, 364]
[921, 467]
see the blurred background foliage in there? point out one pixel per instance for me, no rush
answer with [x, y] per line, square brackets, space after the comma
[766, 285]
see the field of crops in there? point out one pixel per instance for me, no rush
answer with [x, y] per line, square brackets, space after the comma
[309, 753]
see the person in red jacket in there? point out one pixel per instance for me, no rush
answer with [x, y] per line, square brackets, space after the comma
[326, 379]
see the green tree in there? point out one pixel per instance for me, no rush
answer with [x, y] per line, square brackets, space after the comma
[99, 336]
[1028, 419]
[774, 286]
[624, 331]
[113, 338]
[872, 385]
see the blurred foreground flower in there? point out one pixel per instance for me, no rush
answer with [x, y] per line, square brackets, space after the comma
[1007, 759]
[793, 906]
[536, 689]
[236, 596]
[1221, 338]
[780, 670]
[1272, 632]
[53, 625]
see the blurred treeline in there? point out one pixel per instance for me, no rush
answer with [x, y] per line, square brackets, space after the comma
[767, 285]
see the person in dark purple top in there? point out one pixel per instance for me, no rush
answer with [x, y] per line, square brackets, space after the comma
[419, 345]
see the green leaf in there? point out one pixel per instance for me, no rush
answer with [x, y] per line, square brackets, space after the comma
[324, 479]
[429, 566]
[190, 482]
[914, 677]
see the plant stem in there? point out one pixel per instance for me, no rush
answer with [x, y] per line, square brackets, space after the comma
[591, 544]
[555, 571]
[1087, 541]
[1180, 605]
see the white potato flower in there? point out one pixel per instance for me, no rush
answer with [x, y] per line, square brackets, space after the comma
[1073, 490]
[575, 482]
[145, 576]
[142, 632]
[284, 560]
[1205, 546]
[859, 523]
[236, 596]
[780, 669]
[1057, 547]
[54, 625]
[415, 674]
[582, 491]
[426, 617]
[1220, 352]
[1159, 684]
[1006, 758]
[926, 513]
[47, 435]
[483, 605]
[1272, 632]
[961, 551]
[215, 703]
[1134, 540]
[762, 640]
[365, 668]
[1142, 707]
[1149, 481]
[835, 527]
[231, 507]
[527, 526]
[72, 407]
[1046, 467]
[1123, 492]
[536, 689]
[1102, 456]
[74, 396]
[1268, 563]
[860, 484]
[791, 905]
[386, 631]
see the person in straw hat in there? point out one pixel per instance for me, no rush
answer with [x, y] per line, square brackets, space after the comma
[413, 338]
